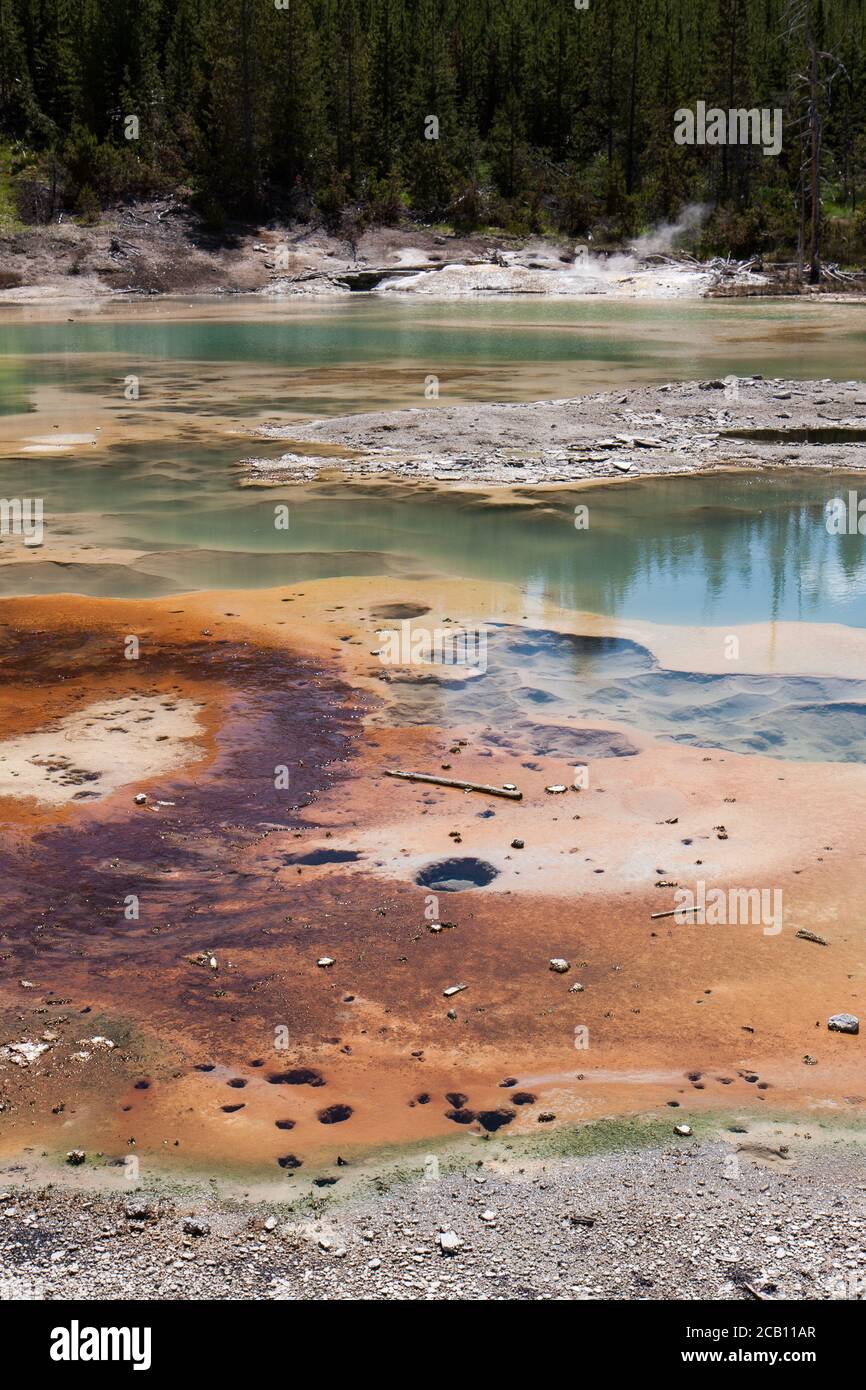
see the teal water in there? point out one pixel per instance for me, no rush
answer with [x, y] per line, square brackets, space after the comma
[494, 350]
[728, 549]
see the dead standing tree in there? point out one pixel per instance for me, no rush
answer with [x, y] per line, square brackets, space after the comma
[810, 97]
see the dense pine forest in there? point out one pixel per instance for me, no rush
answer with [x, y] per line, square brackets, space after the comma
[549, 117]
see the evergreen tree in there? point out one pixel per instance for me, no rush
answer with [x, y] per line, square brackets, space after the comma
[533, 112]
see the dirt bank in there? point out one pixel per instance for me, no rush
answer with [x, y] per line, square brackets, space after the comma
[161, 247]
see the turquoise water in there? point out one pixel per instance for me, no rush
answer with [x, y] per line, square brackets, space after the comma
[503, 350]
[726, 549]
[699, 550]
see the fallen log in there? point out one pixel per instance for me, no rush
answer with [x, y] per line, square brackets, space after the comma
[453, 782]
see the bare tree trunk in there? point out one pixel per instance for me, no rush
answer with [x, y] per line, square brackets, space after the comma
[814, 168]
[632, 100]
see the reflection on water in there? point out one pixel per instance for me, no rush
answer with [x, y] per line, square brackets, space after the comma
[702, 550]
[159, 488]
[160, 492]
[535, 678]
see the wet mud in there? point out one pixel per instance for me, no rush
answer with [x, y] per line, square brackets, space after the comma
[283, 973]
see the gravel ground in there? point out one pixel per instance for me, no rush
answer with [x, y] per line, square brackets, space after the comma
[696, 1220]
[682, 428]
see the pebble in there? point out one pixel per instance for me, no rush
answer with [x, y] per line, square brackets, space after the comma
[843, 1023]
[194, 1227]
[449, 1242]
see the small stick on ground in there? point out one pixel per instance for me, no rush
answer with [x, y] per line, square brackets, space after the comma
[453, 782]
[756, 1293]
[654, 916]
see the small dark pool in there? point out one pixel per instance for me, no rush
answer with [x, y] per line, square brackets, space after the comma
[324, 856]
[456, 875]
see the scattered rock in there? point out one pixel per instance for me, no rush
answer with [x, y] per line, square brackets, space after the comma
[843, 1023]
[194, 1227]
[138, 1209]
[449, 1242]
[206, 959]
[23, 1053]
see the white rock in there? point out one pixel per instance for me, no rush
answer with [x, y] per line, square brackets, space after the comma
[325, 961]
[449, 1242]
[23, 1053]
[559, 966]
[843, 1023]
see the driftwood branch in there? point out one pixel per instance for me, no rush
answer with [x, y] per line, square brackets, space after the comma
[453, 782]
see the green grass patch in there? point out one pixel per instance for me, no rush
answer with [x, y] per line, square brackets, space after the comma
[10, 168]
